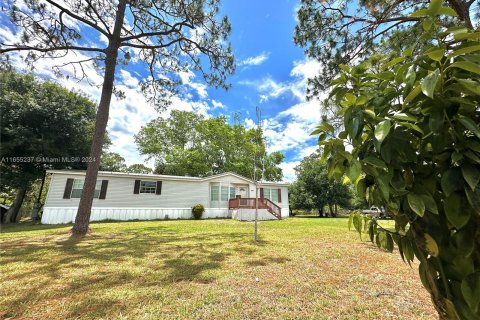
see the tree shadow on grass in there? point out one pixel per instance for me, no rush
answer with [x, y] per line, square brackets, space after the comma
[264, 261]
[85, 269]
[29, 226]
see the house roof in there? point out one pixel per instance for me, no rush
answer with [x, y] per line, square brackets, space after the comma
[166, 177]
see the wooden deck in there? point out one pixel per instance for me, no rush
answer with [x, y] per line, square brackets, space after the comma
[250, 203]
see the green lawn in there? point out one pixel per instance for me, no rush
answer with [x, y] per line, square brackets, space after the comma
[305, 268]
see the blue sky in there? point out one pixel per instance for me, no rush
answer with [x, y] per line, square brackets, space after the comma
[271, 74]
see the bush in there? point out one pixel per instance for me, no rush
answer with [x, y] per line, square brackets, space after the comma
[414, 134]
[197, 211]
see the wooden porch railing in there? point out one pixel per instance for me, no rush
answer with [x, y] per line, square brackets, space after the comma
[249, 203]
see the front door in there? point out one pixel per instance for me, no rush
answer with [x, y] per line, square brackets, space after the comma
[242, 191]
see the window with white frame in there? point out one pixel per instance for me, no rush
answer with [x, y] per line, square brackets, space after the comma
[78, 187]
[214, 192]
[221, 193]
[224, 193]
[148, 186]
[270, 193]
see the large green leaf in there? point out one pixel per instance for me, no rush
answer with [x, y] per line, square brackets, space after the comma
[430, 204]
[429, 83]
[354, 126]
[416, 204]
[457, 214]
[404, 116]
[436, 54]
[471, 291]
[470, 125]
[357, 223]
[389, 243]
[467, 65]
[451, 181]
[473, 198]
[431, 245]
[412, 95]
[471, 85]
[447, 11]
[382, 239]
[451, 310]
[375, 162]
[382, 183]
[464, 242]
[381, 130]
[354, 170]
[464, 50]
[434, 7]
[408, 250]
[410, 76]
[471, 175]
[419, 13]
[460, 267]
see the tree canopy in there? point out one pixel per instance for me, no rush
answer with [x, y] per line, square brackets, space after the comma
[314, 189]
[187, 143]
[112, 161]
[167, 36]
[412, 122]
[346, 31]
[43, 126]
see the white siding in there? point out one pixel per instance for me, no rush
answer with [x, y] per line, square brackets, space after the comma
[284, 205]
[175, 201]
[175, 194]
[229, 179]
[53, 215]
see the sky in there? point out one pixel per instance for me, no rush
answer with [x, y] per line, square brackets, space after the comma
[271, 73]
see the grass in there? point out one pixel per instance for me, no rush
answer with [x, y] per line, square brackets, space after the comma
[304, 268]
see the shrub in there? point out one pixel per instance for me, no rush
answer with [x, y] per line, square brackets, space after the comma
[414, 137]
[197, 211]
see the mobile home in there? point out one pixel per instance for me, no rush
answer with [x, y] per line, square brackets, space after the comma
[130, 196]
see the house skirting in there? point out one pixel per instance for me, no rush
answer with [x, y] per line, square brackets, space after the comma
[60, 215]
[244, 214]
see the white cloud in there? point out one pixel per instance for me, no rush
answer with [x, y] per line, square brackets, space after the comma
[268, 88]
[308, 112]
[187, 79]
[292, 135]
[126, 116]
[217, 104]
[128, 80]
[289, 130]
[249, 123]
[255, 60]
[288, 171]
[306, 68]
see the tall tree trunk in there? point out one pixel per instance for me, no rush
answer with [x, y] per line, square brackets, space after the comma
[320, 212]
[36, 205]
[82, 219]
[336, 210]
[330, 209]
[11, 214]
[462, 8]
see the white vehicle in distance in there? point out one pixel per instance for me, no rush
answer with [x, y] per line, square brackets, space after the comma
[376, 212]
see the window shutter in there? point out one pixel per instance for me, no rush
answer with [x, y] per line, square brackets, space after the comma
[261, 192]
[103, 190]
[279, 194]
[68, 189]
[136, 188]
[159, 188]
